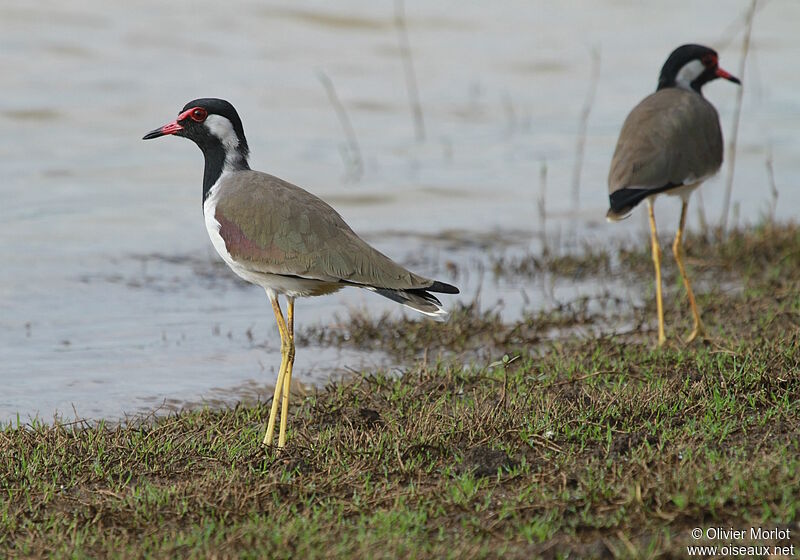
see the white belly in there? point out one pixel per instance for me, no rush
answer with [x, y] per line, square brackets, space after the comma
[212, 226]
[684, 191]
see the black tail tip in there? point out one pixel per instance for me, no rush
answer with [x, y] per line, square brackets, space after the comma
[442, 288]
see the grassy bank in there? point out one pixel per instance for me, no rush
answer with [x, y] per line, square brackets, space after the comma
[570, 445]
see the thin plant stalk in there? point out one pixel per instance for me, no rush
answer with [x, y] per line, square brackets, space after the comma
[354, 162]
[737, 110]
[580, 144]
[541, 204]
[773, 204]
[701, 213]
[408, 66]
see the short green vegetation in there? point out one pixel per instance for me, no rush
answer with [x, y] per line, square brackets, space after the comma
[581, 445]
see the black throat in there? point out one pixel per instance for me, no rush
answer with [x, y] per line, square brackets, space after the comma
[217, 160]
[215, 163]
[678, 59]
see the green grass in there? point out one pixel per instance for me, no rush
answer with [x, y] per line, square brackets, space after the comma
[575, 447]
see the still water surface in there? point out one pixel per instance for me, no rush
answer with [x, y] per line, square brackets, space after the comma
[111, 300]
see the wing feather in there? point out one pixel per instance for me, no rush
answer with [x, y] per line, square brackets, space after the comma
[274, 227]
[671, 138]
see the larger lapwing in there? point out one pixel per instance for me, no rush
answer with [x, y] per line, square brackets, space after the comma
[670, 143]
[283, 238]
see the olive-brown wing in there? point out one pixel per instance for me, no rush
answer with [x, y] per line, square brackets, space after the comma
[271, 226]
[671, 138]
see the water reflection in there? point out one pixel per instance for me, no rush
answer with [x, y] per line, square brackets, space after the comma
[110, 296]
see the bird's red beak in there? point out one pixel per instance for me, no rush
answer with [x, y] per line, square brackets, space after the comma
[170, 128]
[723, 74]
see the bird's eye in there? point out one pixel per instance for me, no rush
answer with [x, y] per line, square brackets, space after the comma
[199, 114]
[709, 60]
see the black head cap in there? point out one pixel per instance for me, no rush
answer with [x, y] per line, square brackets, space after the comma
[692, 66]
[195, 130]
[194, 122]
[215, 126]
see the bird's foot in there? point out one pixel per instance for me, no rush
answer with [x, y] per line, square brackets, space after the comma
[271, 447]
[699, 331]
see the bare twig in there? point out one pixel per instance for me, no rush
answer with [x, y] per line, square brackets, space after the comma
[351, 154]
[701, 213]
[408, 65]
[736, 114]
[730, 33]
[511, 114]
[584, 120]
[773, 203]
[541, 204]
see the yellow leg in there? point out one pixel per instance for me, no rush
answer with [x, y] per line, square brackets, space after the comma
[287, 380]
[273, 413]
[677, 250]
[656, 248]
[282, 329]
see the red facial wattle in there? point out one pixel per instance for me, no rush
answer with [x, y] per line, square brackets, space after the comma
[171, 128]
[197, 114]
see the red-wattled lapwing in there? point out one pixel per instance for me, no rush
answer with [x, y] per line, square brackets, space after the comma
[283, 238]
[670, 143]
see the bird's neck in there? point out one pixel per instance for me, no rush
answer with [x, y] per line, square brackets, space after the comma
[692, 76]
[219, 160]
[695, 86]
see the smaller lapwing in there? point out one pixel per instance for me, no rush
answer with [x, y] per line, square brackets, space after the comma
[670, 143]
[283, 238]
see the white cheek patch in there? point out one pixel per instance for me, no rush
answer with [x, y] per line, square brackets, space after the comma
[222, 128]
[688, 73]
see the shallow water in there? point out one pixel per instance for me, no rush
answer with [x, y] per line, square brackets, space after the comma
[109, 299]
